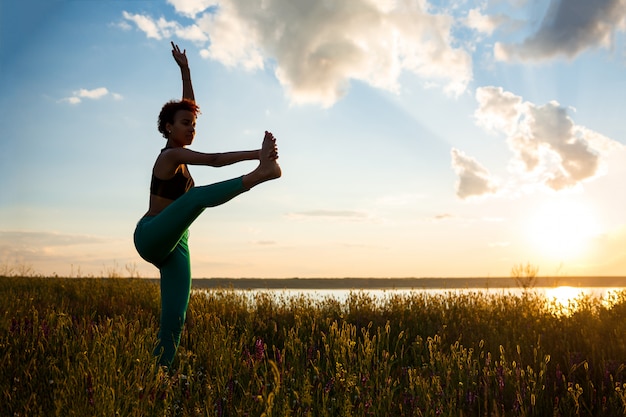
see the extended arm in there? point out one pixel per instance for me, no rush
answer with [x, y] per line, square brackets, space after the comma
[181, 60]
[179, 156]
[169, 160]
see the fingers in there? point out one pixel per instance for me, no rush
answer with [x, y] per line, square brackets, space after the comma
[273, 153]
[176, 49]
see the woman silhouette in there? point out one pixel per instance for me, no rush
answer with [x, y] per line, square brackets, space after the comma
[162, 233]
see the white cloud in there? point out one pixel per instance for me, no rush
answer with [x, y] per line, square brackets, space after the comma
[164, 29]
[317, 48]
[233, 42]
[95, 94]
[191, 8]
[497, 110]
[145, 24]
[30, 247]
[483, 23]
[548, 148]
[568, 28]
[191, 33]
[71, 100]
[52, 252]
[474, 179]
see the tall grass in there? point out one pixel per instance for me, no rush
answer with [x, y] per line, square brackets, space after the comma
[82, 347]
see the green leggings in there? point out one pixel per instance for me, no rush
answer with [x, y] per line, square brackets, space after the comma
[162, 241]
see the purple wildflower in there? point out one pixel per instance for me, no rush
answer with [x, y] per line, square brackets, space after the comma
[259, 350]
[329, 385]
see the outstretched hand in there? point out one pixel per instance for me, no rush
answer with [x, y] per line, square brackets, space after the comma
[179, 57]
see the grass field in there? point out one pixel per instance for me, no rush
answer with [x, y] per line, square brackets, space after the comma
[82, 347]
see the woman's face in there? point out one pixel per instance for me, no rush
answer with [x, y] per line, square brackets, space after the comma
[183, 130]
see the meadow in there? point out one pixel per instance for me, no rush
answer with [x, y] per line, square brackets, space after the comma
[82, 347]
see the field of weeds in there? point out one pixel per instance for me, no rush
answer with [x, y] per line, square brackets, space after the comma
[82, 347]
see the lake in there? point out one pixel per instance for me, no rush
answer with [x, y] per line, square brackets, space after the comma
[561, 292]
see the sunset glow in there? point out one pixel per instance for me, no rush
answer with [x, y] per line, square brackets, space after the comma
[563, 228]
[419, 138]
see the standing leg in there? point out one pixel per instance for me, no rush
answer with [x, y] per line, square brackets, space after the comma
[175, 291]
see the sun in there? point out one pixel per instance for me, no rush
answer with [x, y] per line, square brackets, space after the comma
[562, 228]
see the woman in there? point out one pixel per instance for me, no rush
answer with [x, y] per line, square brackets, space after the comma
[162, 233]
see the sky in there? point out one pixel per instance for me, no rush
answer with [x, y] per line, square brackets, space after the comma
[417, 138]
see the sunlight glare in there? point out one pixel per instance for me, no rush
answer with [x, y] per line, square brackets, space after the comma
[563, 228]
[564, 298]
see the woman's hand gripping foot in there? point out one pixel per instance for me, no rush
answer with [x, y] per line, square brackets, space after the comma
[268, 156]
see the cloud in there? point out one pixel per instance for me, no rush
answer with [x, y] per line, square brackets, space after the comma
[474, 179]
[483, 23]
[548, 148]
[47, 253]
[191, 8]
[497, 110]
[163, 29]
[29, 246]
[145, 24]
[95, 94]
[317, 48]
[568, 28]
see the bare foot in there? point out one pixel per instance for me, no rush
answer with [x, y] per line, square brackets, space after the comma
[268, 148]
[268, 157]
[268, 168]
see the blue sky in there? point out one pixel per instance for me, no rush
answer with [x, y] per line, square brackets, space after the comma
[416, 138]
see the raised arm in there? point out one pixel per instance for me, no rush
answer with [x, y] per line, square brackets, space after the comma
[181, 60]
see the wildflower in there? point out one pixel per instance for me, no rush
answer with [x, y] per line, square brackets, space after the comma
[259, 350]
[45, 329]
[471, 397]
[364, 379]
[219, 408]
[368, 404]
[329, 385]
[500, 377]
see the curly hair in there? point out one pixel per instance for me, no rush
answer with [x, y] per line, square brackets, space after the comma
[169, 110]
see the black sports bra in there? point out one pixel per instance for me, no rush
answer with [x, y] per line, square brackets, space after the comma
[172, 188]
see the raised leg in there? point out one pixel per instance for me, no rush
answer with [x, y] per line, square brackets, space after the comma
[268, 168]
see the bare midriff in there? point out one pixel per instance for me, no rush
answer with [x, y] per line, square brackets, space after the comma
[157, 205]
